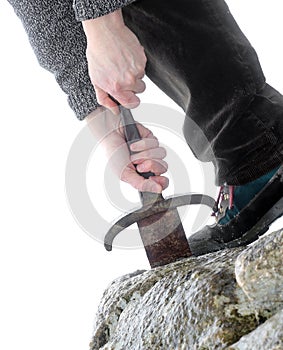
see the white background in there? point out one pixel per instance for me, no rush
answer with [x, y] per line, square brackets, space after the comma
[52, 273]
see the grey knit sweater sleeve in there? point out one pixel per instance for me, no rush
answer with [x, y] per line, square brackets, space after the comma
[87, 9]
[59, 43]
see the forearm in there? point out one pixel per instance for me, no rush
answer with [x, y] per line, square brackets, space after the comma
[102, 123]
[90, 9]
[94, 28]
[58, 41]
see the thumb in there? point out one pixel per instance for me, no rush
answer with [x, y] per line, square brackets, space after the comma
[104, 100]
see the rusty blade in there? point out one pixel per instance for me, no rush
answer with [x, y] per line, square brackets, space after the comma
[164, 238]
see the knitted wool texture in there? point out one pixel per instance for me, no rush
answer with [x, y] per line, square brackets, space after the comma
[58, 40]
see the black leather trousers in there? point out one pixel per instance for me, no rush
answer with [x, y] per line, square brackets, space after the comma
[200, 58]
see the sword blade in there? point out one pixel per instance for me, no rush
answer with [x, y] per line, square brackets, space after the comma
[164, 238]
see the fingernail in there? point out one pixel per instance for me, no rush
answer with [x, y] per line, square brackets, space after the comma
[141, 167]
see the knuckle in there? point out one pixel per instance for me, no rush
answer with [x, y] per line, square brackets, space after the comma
[143, 87]
[155, 142]
[130, 83]
[115, 86]
[140, 68]
[150, 163]
[146, 131]
[143, 144]
[163, 151]
[130, 78]
[146, 154]
[127, 100]
[158, 163]
[123, 176]
[101, 99]
[163, 165]
[144, 58]
[133, 157]
[143, 50]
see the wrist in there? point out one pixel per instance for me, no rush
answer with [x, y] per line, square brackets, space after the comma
[94, 114]
[103, 122]
[96, 26]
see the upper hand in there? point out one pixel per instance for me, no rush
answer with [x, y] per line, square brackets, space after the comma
[116, 61]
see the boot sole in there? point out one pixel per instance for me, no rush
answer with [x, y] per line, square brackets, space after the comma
[259, 228]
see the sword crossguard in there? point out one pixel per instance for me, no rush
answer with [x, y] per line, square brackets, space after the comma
[152, 208]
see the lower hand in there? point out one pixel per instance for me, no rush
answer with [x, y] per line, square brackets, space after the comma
[149, 156]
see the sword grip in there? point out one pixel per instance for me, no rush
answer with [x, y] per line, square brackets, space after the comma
[131, 133]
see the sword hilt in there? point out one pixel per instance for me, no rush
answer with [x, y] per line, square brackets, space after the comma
[162, 234]
[132, 135]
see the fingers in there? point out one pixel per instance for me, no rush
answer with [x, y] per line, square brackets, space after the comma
[126, 95]
[104, 100]
[156, 166]
[145, 132]
[148, 154]
[135, 85]
[155, 153]
[144, 144]
[151, 160]
[128, 99]
[139, 86]
[148, 157]
[154, 184]
[161, 181]
[123, 91]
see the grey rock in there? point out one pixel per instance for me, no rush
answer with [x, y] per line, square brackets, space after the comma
[259, 272]
[202, 303]
[268, 336]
